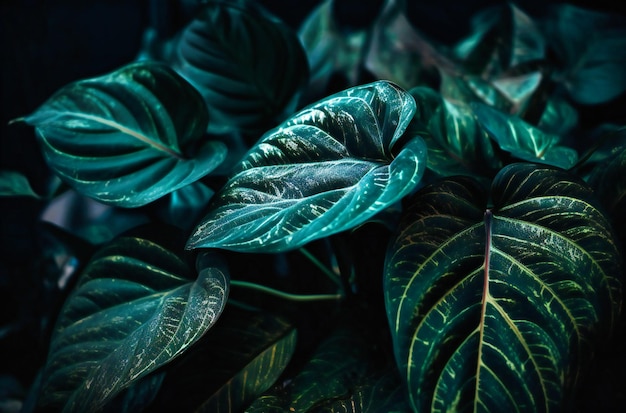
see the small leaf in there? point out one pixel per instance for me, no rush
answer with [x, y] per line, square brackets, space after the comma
[13, 183]
[135, 308]
[183, 207]
[235, 362]
[128, 137]
[522, 140]
[589, 45]
[248, 65]
[558, 118]
[499, 309]
[327, 169]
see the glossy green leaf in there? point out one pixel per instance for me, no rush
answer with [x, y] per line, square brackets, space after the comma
[13, 183]
[128, 137]
[498, 309]
[327, 169]
[248, 66]
[136, 306]
[232, 365]
[522, 140]
[343, 375]
[456, 144]
[589, 46]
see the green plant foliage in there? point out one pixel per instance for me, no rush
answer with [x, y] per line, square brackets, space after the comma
[13, 183]
[327, 169]
[248, 66]
[498, 309]
[558, 117]
[129, 137]
[136, 306]
[589, 46]
[523, 140]
[233, 364]
[183, 207]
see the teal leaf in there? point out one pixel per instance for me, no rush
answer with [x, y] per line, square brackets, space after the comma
[498, 309]
[589, 46]
[523, 140]
[136, 306]
[129, 137]
[239, 359]
[327, 169]
[183, 207]
[13, 183]
[558, 117]
[247, 64]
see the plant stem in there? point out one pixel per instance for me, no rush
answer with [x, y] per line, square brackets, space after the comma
[284, 295]
[329, 273]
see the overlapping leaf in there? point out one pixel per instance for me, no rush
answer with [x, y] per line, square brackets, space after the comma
[137, 305]
[497, 309]
[128, 137]
[248, 65]
[329, 168]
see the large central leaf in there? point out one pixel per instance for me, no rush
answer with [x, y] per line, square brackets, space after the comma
[137, 305]
[129, 137]
[327, 169]
[497, 309]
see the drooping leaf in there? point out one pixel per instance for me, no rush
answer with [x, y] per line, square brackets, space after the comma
[327, 169]
[137, 306]
[456, 144]
[232, 365]
[128, 137]
[13, 183]
[589, 46]
[248, 65]
[498, 309]
[523, 140]
[345, 374]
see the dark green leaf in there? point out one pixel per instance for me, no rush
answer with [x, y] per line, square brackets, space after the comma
[558, 118]
[522, 140]
[456, 145]
[183, 207]
[128, 137]
[498, 309]
[135, 308]
[327, 169]
[590, 47]
[248, 66]
[13, 183]
[240, 358]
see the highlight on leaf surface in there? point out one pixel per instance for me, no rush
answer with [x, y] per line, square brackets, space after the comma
[129, 137]
[327, 169]
[499, 309]
[136, 306]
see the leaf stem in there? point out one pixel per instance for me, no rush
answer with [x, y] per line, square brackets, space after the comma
[328, 272]
[284, 295]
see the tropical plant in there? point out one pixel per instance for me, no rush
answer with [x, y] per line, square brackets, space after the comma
[339, 215]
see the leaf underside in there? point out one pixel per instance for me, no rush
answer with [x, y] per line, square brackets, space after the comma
[497, 309]
[137, 305]
[327, 169]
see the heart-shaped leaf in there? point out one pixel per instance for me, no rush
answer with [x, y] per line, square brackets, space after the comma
[232, 365]
[128, 137]
[248, 65]
[589, 46]
[523, 140]
[135, 308]
[498, 309]
[327, 169]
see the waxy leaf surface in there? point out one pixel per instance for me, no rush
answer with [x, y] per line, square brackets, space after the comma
[129, 137]
[497, 309]
[137, 306]
[327, 169]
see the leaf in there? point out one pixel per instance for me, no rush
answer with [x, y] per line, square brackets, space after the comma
[183, 207]
[589, 46]
[13, 183]
[558, 118]
[235, 362]
[248, 66]
[522, 140]
[135, 308]
[129, 137]
[456, 144]
[344, 374]
[327, 169]
[498, 309]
